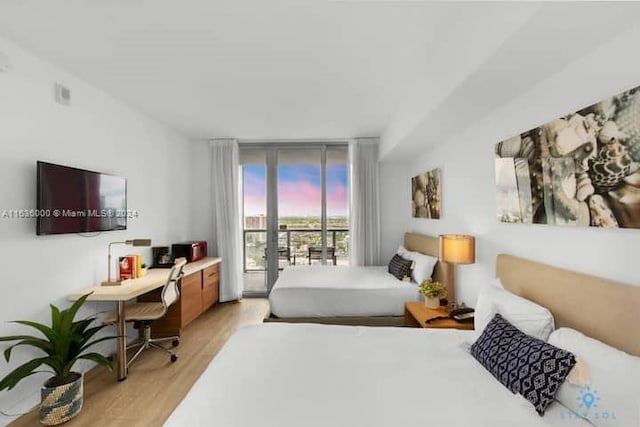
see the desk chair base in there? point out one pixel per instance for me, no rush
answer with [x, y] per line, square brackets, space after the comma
[148, 342]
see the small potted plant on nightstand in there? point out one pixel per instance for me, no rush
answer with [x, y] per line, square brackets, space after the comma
[433, 291]
[63, 343]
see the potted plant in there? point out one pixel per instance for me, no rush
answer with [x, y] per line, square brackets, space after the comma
[433, 291]
[63, 343]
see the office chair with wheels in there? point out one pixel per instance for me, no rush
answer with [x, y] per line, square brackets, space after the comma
[144, 313]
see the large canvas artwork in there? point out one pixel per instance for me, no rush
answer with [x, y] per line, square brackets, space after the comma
[425, 191]
[581, 169]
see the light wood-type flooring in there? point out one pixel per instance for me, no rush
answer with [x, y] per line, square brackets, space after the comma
[155, 386]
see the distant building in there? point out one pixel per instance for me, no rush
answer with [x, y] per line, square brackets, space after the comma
[256, 221]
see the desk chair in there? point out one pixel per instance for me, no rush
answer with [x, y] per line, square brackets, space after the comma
[144, 313]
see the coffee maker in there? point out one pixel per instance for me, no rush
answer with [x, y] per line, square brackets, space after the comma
[162, 257]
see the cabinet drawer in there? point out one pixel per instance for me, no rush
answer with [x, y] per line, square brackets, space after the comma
[210, 281]
[191, 297]
[211, 274]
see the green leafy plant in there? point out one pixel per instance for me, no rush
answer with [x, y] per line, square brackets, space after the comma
[432, 289]
[64, 343]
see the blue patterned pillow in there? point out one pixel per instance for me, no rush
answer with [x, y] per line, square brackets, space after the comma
[524, 364]
[400, 267]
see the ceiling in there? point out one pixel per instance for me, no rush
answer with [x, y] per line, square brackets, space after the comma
[310, 69]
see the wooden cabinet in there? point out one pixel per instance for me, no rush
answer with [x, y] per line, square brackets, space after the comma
[210, 288]
[190, 297]
[199, 290]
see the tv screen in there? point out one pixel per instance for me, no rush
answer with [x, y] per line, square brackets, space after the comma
[74, 200]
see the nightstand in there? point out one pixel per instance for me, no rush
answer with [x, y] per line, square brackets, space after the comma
[416, 315]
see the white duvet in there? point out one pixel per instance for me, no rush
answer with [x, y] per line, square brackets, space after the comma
[300, 375]
[327, 291]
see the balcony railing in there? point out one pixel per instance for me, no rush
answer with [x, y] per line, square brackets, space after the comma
[293, 245]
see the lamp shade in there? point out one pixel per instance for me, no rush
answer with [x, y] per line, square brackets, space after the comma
[457, 248]
[139, 242]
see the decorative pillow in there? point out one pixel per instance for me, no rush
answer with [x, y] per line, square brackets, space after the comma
[400, 267]
[529, 317]
[613, 392]
[423, 264]
[524, 364]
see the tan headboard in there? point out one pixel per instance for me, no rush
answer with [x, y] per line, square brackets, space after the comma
[603, 309]
[428, 245]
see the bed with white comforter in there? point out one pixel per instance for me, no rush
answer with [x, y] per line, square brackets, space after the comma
[336, 291]
[303, 375]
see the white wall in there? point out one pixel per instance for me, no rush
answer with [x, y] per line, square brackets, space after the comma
[97, 133]
[468, 185]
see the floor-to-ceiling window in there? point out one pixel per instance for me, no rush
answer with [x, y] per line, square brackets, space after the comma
[295, 203]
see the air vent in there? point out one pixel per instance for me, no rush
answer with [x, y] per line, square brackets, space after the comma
[63, 94]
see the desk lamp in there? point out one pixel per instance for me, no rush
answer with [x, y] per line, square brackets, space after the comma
[456, 249]
[132, 242]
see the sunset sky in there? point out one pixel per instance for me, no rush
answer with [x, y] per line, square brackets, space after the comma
[299, 192]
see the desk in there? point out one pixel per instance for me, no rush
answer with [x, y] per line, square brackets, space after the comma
[129, 289]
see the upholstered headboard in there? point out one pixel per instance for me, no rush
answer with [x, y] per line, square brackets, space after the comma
[603, 309]
[428, 245]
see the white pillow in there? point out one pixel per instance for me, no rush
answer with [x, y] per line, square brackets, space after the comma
[613, 398]
[402, 251]
[423, 264]
[529, 317]
[423, 268]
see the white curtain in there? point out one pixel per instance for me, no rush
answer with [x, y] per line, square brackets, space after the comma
[227, 240]
[364, 227]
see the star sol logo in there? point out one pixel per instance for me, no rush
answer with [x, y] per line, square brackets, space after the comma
[590, 406]
[588, 398]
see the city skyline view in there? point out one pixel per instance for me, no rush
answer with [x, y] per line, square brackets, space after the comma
[299, 190]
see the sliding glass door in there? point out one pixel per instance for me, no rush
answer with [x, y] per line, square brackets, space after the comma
[295, 200]
[254, 211]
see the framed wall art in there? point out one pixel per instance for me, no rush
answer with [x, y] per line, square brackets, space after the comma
[581, 169]
[426, 195]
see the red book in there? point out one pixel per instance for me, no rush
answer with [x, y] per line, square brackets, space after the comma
[126, 267]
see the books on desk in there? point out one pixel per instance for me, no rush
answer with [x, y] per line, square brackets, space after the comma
[129, 267]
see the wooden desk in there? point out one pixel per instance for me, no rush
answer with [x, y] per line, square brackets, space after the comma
[129, 289]
[416, 316]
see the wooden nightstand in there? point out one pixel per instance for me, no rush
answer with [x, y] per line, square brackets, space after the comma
[416, 315]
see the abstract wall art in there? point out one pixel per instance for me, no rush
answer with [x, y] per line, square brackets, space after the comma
[426, 195]
[582, 169]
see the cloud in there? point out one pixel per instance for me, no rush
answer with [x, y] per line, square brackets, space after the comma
[299, 199]
[299, 193]
[255, 192]
[337, 200]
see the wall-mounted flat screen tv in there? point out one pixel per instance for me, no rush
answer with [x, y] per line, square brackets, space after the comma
[74, 200]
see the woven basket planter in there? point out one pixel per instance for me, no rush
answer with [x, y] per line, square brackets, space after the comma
[61, 403]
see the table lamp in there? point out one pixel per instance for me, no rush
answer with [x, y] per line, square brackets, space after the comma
[456, 249]
[132, 242]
